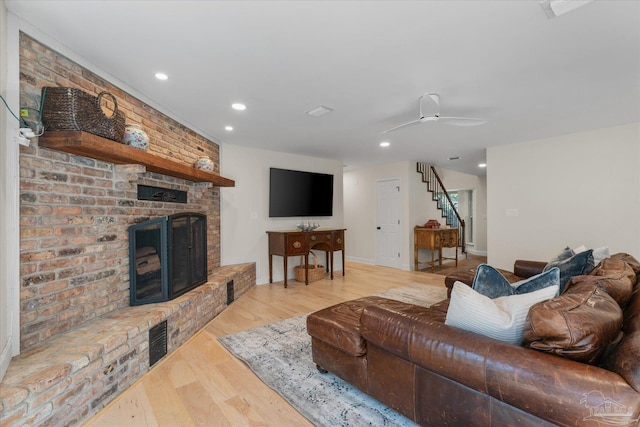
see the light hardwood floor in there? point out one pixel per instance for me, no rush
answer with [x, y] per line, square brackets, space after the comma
[201, 384]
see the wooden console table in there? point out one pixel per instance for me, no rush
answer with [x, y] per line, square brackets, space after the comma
[292, 243]
[434, 239]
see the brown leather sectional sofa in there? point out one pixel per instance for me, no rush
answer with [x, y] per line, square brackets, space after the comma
[568, 372]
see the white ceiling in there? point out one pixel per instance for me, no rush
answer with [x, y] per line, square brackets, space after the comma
[530, 76]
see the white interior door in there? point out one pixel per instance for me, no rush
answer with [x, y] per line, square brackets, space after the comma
[389, 211]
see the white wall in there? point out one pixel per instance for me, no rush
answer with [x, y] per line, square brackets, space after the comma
[244, 209]
[9, 249]
[578, 189]
[417, 207]
[423, 208]
[360, 189]
[478, 184]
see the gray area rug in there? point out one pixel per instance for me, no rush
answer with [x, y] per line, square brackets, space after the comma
[280, 355]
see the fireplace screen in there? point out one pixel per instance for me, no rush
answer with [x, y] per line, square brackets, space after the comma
[168, 257]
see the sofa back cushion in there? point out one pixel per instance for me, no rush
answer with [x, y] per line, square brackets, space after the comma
[624, 359]
[632, 313]
[633, 263]
[614, 276]
[579, 324]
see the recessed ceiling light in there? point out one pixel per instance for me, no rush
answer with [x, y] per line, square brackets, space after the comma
[228, 128]
[238, 106]
[482, 165]
[385, 144]
[161, 76]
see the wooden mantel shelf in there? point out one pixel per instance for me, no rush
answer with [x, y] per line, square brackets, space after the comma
[96, 147]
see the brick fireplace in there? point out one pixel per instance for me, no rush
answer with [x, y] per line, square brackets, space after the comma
[75, 211]
[81, 342]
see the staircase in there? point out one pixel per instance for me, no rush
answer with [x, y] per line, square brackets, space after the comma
[439, 194]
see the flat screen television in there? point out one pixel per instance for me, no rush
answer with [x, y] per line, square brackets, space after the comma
[298, 193]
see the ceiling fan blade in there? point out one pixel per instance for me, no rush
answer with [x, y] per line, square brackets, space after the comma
[462, 121]
[411, 123]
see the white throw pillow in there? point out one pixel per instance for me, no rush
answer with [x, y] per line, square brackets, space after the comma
[579, 249]
[598, 253]
[500, 318]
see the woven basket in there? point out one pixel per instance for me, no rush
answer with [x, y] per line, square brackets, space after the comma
[316, 272]
[65, 108]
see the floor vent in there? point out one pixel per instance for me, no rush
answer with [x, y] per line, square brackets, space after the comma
[157, 342]
[230, 293]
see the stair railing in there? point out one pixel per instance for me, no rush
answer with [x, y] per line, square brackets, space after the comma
[444, 202]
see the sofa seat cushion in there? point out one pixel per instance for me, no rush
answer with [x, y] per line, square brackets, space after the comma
[339, 325]
[579, 324]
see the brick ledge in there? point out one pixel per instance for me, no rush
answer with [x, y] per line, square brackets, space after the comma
[71, 376]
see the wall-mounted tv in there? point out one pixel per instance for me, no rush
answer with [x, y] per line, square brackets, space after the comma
[298, 193]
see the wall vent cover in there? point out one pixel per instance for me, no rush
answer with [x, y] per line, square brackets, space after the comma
[230, 292]
[158, 194]
[157, 342]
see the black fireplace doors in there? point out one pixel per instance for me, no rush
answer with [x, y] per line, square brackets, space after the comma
[167, 257]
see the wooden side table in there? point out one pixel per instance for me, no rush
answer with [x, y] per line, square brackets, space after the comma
[434, 239]
[291, 243]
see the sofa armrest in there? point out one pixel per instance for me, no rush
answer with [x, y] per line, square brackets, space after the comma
[464, 276]
[533, 381]
[526, 269]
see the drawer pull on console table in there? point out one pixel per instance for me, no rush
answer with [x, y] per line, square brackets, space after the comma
[299, 243]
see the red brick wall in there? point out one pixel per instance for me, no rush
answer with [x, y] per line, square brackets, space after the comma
[75, 211]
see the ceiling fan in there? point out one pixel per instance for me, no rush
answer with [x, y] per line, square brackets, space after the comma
[431, 102]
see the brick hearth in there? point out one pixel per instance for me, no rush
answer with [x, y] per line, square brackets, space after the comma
[66, 379]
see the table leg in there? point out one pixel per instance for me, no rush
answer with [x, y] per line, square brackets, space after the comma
[306, 268]
[456, 256]
[284, 258]
[326, 260]
[343, 261]
[270, 268]
[433, 262]
[331, 262]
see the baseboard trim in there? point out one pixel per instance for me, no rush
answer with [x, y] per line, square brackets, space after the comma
[475, 252]
[361, 260]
